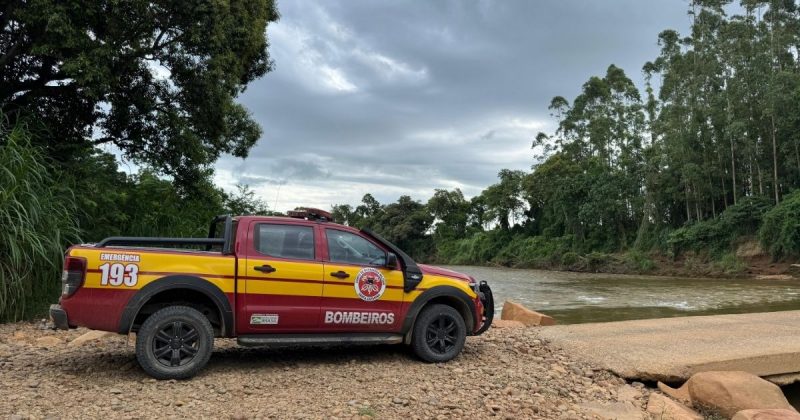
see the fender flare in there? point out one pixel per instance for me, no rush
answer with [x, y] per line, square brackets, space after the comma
[164, 284]
[437, 292]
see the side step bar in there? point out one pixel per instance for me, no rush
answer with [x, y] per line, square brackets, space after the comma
[291, 340]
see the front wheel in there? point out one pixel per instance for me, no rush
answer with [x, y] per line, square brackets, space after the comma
[439, 334]
[174, 343]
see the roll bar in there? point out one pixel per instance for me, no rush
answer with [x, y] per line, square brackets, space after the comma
[209, 242]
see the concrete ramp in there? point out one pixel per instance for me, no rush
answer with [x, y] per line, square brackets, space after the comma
[672, 349]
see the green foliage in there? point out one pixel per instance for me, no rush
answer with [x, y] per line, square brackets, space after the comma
[780, 233]
[596, 260]
[156, 80]
[35, 225]
[730, 264]
[639, 262]
[569, 259]
[717, 235]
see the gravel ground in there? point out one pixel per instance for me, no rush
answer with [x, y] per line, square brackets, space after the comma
[507, 372]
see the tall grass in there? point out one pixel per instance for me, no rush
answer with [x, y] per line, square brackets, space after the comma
[35, 224]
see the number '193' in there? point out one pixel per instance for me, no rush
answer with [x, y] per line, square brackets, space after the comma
[117, 274]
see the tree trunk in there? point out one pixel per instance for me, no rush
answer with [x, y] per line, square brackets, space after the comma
[775, 159]
[688, 209]
[733, 170]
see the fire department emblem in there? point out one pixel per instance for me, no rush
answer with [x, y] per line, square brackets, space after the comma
[370, 284]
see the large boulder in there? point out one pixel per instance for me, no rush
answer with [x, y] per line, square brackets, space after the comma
[663, 407]
[729, 392]
[513, 311]
[768, 414]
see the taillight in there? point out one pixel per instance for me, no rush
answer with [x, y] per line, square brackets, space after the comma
[73, 275]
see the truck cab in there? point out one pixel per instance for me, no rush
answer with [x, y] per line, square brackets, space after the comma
[267, 281]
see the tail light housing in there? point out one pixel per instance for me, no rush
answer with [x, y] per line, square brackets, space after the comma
[73, 275]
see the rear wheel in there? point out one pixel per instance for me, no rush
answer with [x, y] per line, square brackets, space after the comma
[174, 343]
[439, 334]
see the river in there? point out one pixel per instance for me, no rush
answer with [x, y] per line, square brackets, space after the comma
[573, 298]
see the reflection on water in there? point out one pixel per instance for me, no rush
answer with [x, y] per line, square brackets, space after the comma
[579, 297]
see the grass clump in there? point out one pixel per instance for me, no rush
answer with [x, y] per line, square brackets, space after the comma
[35, 224]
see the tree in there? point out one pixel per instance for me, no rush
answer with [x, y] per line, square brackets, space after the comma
[452, 210]
[343, 214]
[503, 200]
[245, 202]
[156, 80]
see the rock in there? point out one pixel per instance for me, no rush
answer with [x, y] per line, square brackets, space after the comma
[780, 379]
[730, 392]
[627, 393]
[49, 341]
[662, 407]
[681, 394]
[774, 277]
[613, 411]
[515, 312]
[504, 323]
[767, 414]
[89, 336]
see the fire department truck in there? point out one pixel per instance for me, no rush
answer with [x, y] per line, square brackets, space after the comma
[267, 281]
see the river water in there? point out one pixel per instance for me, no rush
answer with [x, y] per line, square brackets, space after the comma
[573, 298]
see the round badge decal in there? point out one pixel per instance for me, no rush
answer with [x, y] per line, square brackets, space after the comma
[370, 284]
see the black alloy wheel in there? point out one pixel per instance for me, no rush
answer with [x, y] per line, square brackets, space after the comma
[175, 344]
[439, 333]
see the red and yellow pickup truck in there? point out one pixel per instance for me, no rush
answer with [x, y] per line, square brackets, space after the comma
[267, 281]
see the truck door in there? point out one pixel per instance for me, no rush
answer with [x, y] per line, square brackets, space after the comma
[360, 292]
[282, 279]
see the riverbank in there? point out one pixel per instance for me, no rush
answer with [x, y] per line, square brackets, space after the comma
[757, 266]
[505, 373]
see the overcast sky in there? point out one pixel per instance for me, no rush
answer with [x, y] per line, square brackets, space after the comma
[402, 97]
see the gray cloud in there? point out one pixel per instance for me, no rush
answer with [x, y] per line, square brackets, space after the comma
[401, 97]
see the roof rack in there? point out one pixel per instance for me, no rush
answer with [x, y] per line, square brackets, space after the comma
[309, 213]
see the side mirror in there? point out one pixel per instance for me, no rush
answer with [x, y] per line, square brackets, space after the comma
[391, 260]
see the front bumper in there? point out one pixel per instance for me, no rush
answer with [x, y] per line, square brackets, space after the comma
[59, 317]
[487, 299]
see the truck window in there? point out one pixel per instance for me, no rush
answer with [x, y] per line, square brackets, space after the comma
[345, 247]
[285, 241]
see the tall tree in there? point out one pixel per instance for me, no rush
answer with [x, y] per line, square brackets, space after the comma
[158, 80]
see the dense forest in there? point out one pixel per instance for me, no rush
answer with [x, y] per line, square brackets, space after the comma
[704, 159]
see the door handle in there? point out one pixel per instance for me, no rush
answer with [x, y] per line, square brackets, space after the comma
[340, 274]
[266, 268]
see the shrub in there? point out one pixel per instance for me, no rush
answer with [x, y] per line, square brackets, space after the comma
[745, 217]
[716, 235]
[780, 232]
[730, 264]
[36, 220]
[596, 260]
[638, 261]
[569, 259]
[704, 235]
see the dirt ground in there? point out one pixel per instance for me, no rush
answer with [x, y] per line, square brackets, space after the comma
[508, 373]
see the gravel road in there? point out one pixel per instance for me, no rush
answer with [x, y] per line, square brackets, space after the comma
[507, 372]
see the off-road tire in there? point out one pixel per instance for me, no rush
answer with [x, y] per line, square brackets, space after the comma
[428, 322]
[166, 319]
